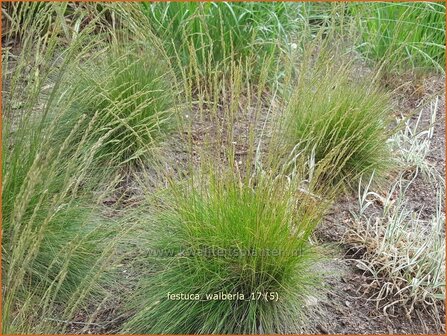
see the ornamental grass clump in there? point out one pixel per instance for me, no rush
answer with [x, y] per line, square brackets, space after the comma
[402, 253]
[343, 123]
[222, 236]
[130, 93]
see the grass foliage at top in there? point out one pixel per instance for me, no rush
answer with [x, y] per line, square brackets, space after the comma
[213, 33]
[403, 34]
[396, 35]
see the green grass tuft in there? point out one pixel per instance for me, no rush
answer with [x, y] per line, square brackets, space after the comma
[341, 122]
[130, 94]
[236, 219]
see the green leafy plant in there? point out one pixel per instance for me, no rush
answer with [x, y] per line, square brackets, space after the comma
[223, 236]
